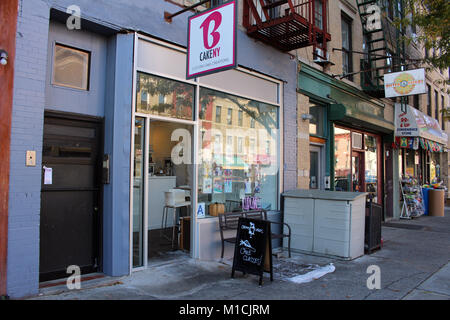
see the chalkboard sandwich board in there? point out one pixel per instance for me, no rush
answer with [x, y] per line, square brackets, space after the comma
[253, 248]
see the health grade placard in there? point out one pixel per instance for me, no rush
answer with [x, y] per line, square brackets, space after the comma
[212, 41]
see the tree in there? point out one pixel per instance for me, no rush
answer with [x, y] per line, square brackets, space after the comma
[431, 20]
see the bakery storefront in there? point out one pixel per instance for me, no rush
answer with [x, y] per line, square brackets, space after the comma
[199, 146]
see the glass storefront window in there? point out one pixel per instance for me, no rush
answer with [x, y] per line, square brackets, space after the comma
[371, 166]
[164, 97]
[435, 168]
[316, 123]
[410, 163]
[342, 156]
[239, 160]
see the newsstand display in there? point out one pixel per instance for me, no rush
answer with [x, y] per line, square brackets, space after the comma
[412, 198]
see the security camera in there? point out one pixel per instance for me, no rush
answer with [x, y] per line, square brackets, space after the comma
[3, 57]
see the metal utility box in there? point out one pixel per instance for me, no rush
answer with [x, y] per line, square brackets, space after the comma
[327, 223]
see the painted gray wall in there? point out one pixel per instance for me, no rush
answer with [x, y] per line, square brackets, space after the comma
[60, 98]
[116, 217]
[26, 134]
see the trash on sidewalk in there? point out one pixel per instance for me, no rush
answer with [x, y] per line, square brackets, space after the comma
[313, 275]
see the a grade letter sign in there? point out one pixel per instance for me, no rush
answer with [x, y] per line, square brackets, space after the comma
[405, 83]
[212, 41]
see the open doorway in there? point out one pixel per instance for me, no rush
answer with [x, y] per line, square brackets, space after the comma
[170, 184]
[162, 189]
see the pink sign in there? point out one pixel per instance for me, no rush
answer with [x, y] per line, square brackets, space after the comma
[212, 41]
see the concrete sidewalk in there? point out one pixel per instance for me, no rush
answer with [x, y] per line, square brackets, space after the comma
[414, 264]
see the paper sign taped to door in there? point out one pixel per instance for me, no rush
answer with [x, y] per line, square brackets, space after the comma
[48, 175]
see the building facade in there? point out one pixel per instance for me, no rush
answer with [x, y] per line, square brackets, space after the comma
[101, 97]
[94, 103]
[351, 135]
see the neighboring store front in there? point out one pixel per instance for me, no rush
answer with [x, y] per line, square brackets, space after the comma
[421, 143]
[358, 162]
[355, 136]
[217, 138]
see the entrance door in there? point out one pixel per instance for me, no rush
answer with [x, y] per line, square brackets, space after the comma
[315, 171]
[70, 205]
[357, 171]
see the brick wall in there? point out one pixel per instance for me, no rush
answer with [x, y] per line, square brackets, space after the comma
[26, 134]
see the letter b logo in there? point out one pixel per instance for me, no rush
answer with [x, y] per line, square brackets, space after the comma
[217, 18]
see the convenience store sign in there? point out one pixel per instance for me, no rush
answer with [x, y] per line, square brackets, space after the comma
[212, 41]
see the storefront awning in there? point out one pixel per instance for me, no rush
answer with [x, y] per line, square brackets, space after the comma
[410, 122]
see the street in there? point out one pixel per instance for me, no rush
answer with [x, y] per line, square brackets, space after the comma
[413, 263]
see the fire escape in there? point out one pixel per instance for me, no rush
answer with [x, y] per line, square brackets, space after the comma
[384, 51]
[289, 24]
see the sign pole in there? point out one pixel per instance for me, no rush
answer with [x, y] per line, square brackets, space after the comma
[403, 103]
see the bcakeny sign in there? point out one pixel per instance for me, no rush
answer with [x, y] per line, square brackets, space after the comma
[212, 41]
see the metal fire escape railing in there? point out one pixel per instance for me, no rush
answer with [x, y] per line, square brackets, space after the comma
[288, 24]
[380, 57]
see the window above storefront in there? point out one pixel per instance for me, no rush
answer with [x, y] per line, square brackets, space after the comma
[71, 67]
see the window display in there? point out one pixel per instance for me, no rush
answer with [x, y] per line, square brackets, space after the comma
[239, 161]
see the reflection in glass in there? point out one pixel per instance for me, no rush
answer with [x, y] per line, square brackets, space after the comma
[314, 170]
[164, 97]
[316, 123]
[356, 176]
[240, 159]
[342, 155]
[138, 193]
[71, 67]
[371, 166]
[410, 163]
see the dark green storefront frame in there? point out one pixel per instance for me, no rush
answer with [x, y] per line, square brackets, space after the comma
[345, 105]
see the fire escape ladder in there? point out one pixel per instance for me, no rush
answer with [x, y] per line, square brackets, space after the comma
[288, 24]
[376, 62]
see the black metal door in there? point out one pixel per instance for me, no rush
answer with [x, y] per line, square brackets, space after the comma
[70, 204]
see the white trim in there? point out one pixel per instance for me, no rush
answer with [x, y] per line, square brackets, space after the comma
[162, 118]
[163, 75]
[133, 104]
[161, 43]
[145, 149]
[281, 142]
[194, 194]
